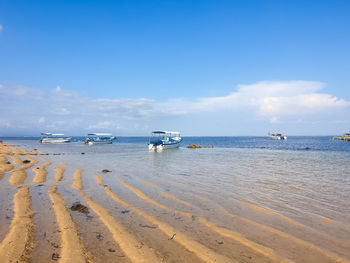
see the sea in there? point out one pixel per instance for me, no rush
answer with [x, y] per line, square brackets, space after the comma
[299, 187]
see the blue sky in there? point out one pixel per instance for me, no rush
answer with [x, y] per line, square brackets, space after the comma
[200, 67]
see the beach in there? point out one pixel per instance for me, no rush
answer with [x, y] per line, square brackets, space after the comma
[121, 203]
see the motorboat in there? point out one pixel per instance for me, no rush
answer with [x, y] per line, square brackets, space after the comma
[99, 138]
[345, 137]
[54, 138]
[161, 140]
[277, 136]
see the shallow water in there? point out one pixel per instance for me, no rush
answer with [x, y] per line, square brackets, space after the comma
[248, 199]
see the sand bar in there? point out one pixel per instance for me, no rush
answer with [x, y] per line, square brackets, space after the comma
[202, 252]
[41, 172]
[59, 173]
[267, 252]
[19, 175]
[133, 249]
[99, 180]
[5, 165]
[18, 243]
[72, 247]
[78, 183]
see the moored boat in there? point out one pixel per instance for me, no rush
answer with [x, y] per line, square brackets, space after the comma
[99, 138]
[161, 140]
[345, 137]
[54, 138]
[277, 136]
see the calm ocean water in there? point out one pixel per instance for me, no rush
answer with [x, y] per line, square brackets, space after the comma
[316, 143]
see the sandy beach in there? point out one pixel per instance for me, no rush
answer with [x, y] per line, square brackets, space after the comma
[53, 210]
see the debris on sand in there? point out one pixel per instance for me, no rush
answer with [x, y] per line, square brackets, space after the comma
[80, 208]
[26, 161]
[106, 171]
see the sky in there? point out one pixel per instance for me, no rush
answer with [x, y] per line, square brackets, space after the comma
[209, 67]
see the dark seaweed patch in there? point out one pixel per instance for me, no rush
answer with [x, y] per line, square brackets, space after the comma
[80, 208]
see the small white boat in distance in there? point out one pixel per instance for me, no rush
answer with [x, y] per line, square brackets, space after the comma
[277, 136]
[161, 140]
[99, 138]
[54, 138]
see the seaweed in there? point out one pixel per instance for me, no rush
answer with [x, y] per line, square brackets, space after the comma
[194, 146]
[80, 208]
[55, 256]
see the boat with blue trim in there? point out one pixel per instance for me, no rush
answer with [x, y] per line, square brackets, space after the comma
[161, 140]
[277, 136]
[99, 138]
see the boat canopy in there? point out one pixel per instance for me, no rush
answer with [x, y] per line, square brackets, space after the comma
[166, 132]
[52, 134]
[100, 134]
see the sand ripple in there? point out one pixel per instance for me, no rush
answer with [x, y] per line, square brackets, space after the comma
[72, 247]
[18, 243]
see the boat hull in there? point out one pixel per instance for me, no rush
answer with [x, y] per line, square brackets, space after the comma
[98, 142]
[161, 147]
[278, 137]
[60, 140]
[344, 138]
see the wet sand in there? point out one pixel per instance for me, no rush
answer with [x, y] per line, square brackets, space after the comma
[132, 218]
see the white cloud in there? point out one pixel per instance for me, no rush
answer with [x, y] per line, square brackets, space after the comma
[62, 110]
[273, 120]
[271, 99]
[64, 93]
[104, 125]
[5, 124]
[22, 92]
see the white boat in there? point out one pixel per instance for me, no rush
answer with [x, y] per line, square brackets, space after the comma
[54, 138]
[277, 136]
[161, 140]
[99, 138]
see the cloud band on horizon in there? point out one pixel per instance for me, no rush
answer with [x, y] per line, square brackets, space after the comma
[63, 110]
